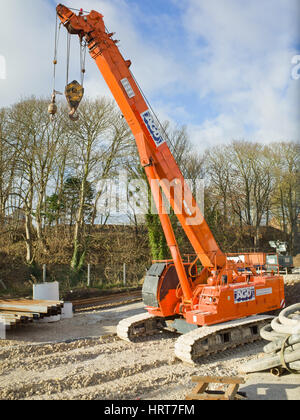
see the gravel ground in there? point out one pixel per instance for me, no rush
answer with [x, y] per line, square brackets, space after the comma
[107, 368]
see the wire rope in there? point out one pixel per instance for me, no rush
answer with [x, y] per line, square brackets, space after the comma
[56, 42]
[68, 56]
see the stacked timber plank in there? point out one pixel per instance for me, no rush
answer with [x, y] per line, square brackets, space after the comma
[14, 312]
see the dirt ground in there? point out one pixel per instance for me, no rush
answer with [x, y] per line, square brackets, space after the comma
[81, 358]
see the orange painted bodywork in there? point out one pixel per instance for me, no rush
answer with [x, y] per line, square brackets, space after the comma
[159, 164]
[215, 302]
[220, 304]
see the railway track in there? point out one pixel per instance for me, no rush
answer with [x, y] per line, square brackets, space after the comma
[108, 301]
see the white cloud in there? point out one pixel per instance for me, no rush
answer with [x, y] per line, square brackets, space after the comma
[216, 131]
[26, 43]
[244, 67]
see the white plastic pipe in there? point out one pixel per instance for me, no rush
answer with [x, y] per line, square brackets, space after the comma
[290, 310]
[285, 329]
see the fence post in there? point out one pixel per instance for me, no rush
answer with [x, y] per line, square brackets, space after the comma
[44, 273]
[2, 329]
[124, 274]
[89, 275]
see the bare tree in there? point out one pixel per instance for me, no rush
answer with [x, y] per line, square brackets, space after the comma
[285, 160]
[21, 137]
[242, 183]
[8, 158]
[96, 143]
[113, 157]
[219, 169]
[33, 140]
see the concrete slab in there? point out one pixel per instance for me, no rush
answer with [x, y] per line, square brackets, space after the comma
[265, 386]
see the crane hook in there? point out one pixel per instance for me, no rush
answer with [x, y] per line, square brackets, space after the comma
[52, 108]
[74, 94]
[72, 116]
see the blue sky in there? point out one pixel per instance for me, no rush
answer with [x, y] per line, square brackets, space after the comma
[220, 67]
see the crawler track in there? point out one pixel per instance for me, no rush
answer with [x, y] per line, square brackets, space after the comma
[217, 338]
[129, 329]
[200, 342]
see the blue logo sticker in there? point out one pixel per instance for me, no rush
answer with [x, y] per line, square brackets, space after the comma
[244, 294]
[153, 130]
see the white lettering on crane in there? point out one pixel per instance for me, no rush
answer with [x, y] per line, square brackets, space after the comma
[128, 89]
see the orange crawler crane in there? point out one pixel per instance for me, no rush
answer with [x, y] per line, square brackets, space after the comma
[225, 296]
